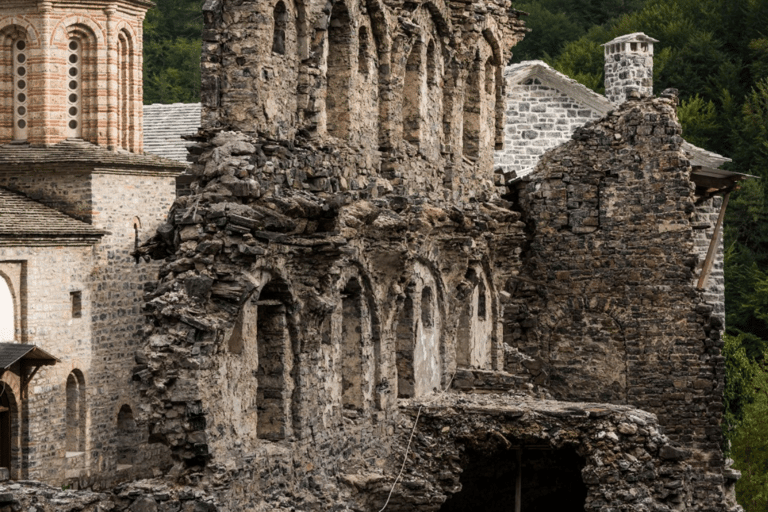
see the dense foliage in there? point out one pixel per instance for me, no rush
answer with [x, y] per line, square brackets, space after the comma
[172, 44]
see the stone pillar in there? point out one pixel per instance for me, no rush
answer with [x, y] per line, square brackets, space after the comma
[40, 131]
[628, 66]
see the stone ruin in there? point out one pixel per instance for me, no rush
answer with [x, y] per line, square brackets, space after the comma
[354, 312]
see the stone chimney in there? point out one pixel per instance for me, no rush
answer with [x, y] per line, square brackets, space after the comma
[628, 66]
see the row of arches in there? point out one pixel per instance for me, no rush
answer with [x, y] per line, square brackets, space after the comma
[269, 351]
[34, 103]
[379, 90]
[127, 436]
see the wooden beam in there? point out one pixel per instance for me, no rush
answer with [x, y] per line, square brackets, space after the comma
[710, 259]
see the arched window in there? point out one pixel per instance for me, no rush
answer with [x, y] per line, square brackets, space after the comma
[339, 74]
[128, 436]
[75, 412]
[352, 346]
[75, 86]
[280, 17]
[431, 64]
[126, 91]
[20, 90]
[276, 363]
[472, 108]
[14, 84]
[81, 90]
[363, 49]
[7, 312]
[412, 96]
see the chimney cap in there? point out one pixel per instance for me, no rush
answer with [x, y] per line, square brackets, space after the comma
[635, 37]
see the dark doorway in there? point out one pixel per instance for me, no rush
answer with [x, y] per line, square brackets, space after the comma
[5, 429]
[550, 480]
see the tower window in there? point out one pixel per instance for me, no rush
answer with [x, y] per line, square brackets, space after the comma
[77, 304]
[20, 111]
[74, 96]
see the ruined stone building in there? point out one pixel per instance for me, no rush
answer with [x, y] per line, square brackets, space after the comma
[356, 308]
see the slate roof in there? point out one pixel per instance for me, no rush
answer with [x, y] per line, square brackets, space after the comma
[76, 151]
[165, 124]
[23, 217]
[11, 353]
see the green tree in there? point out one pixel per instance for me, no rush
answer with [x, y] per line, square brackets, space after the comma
[749, 447]
[172, 47]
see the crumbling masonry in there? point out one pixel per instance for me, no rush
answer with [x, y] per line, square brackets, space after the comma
[348, 288]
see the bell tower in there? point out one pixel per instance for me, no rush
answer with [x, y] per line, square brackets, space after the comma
[72, 70]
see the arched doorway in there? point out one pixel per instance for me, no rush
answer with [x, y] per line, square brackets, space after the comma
[8, 418]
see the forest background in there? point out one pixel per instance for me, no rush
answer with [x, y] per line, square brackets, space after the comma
[715, 52]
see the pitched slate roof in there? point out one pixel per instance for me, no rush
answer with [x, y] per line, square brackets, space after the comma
[11, 353]
[165, 124]
[76, 151]
[23, 217]
[518, 73]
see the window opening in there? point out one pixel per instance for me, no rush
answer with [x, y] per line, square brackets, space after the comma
[74, 95]
[128, 437]
[275, 355]
[7, 312]
[481, 300]
[20, 99]
[76, 298]
[75, 420]
[339, 72]
[412, 96]
[6, 426]
[352, 346]
[472, 106]
[280, 17]
[362, 51]
[431, 64]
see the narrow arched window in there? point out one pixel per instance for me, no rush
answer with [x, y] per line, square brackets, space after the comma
[20, 92]
[337, 98]
[431, 64]
[280, 18]
[125, 91]
[128, 437]
[363, 47]
[7, 312]
[75, 89]
[472, 109]
[412, 96]
[75, 412]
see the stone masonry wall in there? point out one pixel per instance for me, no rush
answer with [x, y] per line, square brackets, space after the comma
[610, 311]
[538, 117]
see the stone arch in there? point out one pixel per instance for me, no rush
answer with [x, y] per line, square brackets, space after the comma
[128, 437]
[15, 45]
[339, 71]
[8, 309]
[419, 347]
[489, 34]
[277, 391]
[126, 90]
[75, 412]
[475, 334]
[279, 27]
[412, 95]
[81, 58]
[472, 110]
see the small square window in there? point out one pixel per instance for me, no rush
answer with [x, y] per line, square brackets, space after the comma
[77, 304]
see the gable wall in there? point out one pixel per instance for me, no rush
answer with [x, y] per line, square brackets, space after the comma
[538, 118]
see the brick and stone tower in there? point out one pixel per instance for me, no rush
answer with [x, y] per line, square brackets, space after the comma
[72, 70]
[628, 66]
